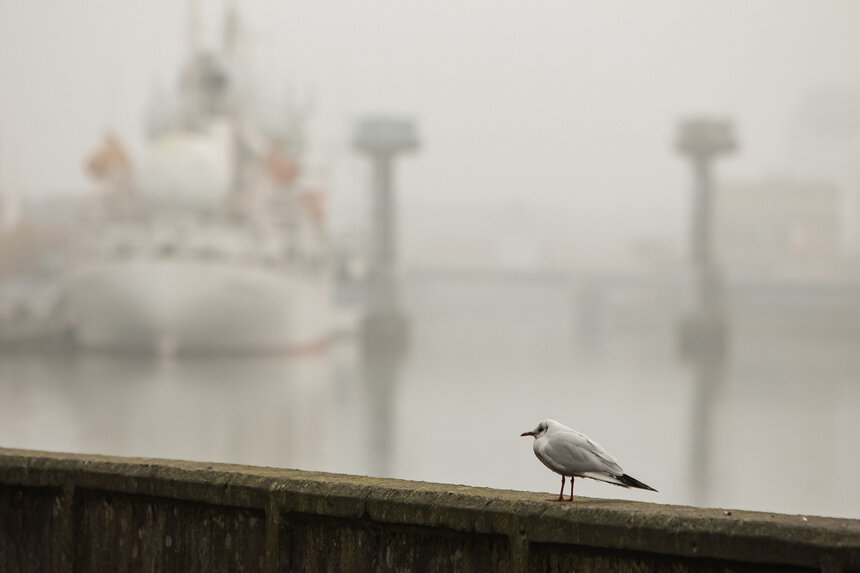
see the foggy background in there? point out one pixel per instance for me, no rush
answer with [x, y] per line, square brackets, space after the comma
[544, 239]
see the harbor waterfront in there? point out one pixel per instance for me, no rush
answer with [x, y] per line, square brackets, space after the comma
[486, 358]
[287, 286]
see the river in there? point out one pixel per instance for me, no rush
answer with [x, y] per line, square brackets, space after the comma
[487, 361]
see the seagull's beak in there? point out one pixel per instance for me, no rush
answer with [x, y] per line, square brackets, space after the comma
[527, 434]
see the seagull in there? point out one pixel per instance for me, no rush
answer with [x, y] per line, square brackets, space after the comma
[570, 453]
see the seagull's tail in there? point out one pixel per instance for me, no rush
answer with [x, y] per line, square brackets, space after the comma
[628, 481]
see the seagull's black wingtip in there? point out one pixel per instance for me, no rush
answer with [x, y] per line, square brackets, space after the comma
[633, 482]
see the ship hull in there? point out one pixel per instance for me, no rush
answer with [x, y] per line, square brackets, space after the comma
[185, 307]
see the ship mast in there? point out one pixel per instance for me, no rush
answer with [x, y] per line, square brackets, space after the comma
[230, 31]
[230, 51]
[193, 97]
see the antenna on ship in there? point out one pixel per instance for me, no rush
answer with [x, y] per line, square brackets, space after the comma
[231, 30]
[192, 28]
[193, 80]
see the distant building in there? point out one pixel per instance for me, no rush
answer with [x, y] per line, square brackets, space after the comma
[779, 228]
[825, 146]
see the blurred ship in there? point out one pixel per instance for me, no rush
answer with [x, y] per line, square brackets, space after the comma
[215, 242]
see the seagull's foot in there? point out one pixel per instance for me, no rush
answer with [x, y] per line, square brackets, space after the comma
[556, 499]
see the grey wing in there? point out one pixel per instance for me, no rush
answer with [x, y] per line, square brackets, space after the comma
[577, 454]
[611, 464]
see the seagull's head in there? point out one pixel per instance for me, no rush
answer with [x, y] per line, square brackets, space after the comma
[539, 431]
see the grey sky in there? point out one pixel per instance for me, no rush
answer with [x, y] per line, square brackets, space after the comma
[566, 109]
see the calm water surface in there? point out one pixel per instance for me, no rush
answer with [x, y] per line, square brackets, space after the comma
[487, 362]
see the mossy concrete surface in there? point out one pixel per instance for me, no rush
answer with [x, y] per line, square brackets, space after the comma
[71, 512]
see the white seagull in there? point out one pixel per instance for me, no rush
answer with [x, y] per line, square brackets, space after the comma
[570, 453]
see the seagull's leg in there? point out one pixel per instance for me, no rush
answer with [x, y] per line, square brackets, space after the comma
[571, 488]
[561, 493]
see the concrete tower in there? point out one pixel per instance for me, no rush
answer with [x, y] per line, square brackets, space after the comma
[385, 330]
[704, 332]
[382, 139]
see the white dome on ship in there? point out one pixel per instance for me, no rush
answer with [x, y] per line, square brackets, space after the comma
[188, 168]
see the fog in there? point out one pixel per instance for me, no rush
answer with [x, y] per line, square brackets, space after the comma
[544, 262]
[566, 109]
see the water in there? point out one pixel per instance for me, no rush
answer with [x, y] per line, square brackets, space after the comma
[487, 361]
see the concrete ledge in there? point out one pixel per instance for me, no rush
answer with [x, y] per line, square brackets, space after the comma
[65, 512]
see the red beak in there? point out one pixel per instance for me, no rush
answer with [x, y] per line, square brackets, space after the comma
[527, 434]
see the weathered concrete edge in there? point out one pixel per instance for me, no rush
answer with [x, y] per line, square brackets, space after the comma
[525, 518]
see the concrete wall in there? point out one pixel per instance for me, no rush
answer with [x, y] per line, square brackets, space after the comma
[65, 512]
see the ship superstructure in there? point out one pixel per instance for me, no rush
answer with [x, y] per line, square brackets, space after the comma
[215, 240]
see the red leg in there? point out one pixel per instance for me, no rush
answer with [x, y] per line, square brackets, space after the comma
[571, 488]
[561, 493]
